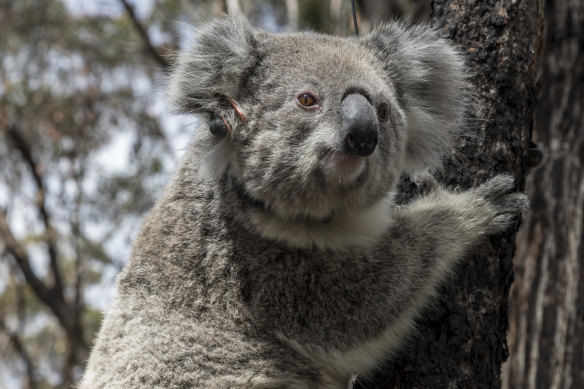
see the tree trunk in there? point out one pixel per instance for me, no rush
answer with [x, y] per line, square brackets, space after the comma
[547, 301]
[462, 342]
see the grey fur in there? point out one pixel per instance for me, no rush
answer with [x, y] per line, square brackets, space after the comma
[430, 78]
[264, 264]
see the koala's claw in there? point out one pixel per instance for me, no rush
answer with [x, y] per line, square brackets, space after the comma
[426, 182]
[496, 187]
[503, 204]
[512, 203]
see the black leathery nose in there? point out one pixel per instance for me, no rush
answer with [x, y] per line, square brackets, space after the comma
[359, 125]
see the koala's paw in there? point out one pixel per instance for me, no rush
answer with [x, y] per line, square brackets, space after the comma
[426, 183]
[498, 199]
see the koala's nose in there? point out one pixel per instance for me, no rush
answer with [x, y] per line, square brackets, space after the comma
[359, 125]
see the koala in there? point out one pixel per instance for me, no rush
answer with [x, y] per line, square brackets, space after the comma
[276, 257]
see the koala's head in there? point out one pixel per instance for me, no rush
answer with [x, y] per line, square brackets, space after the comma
[331, 122]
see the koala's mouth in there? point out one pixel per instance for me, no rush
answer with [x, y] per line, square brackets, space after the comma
[342, 167]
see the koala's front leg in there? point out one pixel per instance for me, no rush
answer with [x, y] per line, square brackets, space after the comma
[439, 228]
[434, 232]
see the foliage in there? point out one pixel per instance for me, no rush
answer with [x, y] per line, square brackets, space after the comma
[83, 155]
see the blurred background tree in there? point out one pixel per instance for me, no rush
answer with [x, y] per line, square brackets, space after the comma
[83, 154]
[546, 337]
[87, 145]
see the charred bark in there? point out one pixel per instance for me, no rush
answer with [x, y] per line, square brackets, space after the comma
[547, 300]
[462, 341]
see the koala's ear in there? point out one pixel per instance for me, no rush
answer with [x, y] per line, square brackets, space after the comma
[214, 68]
[431, 82]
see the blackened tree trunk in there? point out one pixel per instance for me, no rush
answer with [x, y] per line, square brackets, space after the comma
[547, 300]
[462, 342]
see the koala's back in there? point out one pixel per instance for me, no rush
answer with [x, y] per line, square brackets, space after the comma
[143, 345]
[179, 319]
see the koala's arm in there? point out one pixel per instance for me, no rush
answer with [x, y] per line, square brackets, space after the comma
[437, 230]
[432, 234]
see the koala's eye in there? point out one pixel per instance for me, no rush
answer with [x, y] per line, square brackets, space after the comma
[307, 100]
[383, 112]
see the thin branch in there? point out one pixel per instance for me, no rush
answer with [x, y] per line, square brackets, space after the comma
[233, 7]
[292, 10]
[20, 349]
[55, 301]
[144, 35]
[26, 152]
[24, 149]
[79, 266]
[14, 248]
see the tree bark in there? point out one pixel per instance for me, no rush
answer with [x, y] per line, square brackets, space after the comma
[547, 301]
[462, 341]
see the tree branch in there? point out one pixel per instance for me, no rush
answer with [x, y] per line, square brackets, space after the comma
[144, 35]
[55, 301]
[26, 151]
[79, 266]
[14, 248]
[20, 349]
[67, 314]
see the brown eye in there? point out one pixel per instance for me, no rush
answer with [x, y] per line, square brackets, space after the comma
[383, 112]
[307, 100]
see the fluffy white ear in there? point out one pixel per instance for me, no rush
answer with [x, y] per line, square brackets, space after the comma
[430, 78]
[214, 68]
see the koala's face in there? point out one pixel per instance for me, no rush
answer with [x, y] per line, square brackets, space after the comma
[331, 122]
[324, 130]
